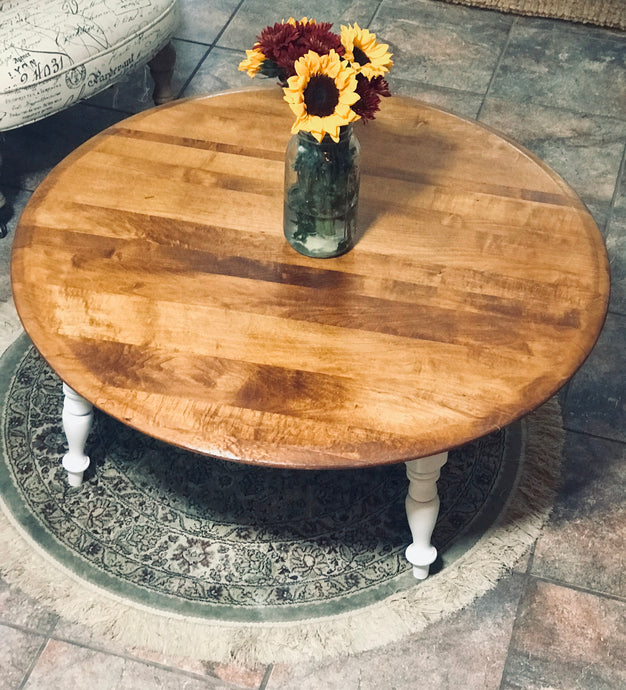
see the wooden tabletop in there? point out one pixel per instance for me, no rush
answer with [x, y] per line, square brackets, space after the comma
[151, 271]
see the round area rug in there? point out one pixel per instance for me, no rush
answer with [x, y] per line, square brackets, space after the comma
[167, 550]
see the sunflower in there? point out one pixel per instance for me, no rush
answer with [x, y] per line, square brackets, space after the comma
[320, 95]
[364, 53]
[253, 62]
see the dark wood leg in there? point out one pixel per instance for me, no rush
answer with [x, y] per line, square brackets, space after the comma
[161, 69]
[2, 199]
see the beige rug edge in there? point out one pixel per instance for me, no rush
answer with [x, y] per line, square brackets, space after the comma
[607, 13]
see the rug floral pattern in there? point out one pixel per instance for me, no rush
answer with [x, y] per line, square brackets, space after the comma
[197, 534]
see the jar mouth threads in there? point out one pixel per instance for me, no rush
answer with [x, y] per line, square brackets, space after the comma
[345, 133]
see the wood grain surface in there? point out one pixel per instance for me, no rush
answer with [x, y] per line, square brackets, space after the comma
[151, 271]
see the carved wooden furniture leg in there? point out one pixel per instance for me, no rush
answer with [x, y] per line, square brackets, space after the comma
[162, 69]
[77, 419]
[422, 508]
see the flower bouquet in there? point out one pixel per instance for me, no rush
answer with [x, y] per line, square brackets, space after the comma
[329, 82]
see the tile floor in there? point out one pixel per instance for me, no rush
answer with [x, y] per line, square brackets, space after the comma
[559, 620]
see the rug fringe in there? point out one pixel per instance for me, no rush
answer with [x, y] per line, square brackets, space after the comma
[607, 13]
[139, 628]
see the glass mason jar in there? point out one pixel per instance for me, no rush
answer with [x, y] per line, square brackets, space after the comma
[322, 193]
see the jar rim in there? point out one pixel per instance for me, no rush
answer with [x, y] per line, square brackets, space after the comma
[344, 133]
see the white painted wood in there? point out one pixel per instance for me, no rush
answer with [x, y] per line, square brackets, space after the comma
[422, 509]
[77, 420]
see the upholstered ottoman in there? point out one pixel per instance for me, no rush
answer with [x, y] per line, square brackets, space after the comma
[56, 52]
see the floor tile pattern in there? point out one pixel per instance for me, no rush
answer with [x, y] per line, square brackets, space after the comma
[558, 621]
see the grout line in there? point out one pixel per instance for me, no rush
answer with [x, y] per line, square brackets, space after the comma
[192, 42]
[26, 629]
[374, 15]
[228, 49]
[621, 170]
[34, 663]
[108, 108]
[597, 437]
[220, 33]
[194, 71]
[449, 90]
[266, 677]
[127, 656]
[496, 68]
[579, 588]
[531, 559]
[565, 392]
[509, 650]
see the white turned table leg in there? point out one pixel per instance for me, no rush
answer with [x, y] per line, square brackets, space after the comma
[77, 419]
[422, 508]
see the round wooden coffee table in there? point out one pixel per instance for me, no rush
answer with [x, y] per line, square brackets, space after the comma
[151, 272]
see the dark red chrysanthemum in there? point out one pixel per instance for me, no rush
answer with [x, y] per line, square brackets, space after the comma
[370, 91]
[381, 86]
[320, 39]
[274, 41]
[284, 44]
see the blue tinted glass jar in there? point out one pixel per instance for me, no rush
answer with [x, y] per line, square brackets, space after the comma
[322, 193]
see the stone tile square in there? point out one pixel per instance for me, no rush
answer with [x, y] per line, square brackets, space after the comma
[463, 103]
[583, 542]
[596, 401]
[551, 64]
[466, 650]
[219, 73]
[202, 21]
[585, 150]
[18, 651]
[255, 15]
[566, 639]
[64, 665]
[18, 608]
[442, 45]
[245, 677]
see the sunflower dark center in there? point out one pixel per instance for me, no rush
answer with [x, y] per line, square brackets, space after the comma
[321, 95]
[360, 56]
